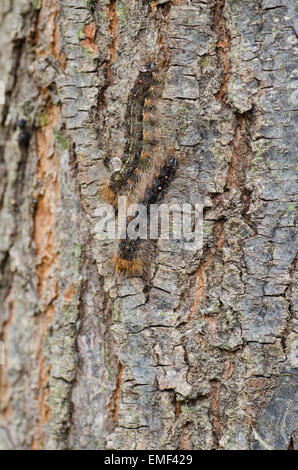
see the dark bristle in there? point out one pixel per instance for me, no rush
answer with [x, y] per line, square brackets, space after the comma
[160, 184]
[24, 137]
[128, 249]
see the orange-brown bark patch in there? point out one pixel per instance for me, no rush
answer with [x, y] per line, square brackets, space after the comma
[201, 283]
[117, 393]
[113, 29]
[186, 443]
[223, 46]
[5, 391]
[47, 260]
[215, 413]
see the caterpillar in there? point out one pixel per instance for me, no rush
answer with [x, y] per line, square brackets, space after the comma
[132, 256]
[140, 139]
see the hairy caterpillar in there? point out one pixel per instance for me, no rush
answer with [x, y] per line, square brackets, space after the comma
[139, 135]
[132, 255]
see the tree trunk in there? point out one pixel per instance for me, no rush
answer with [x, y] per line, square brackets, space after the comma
[199, 354]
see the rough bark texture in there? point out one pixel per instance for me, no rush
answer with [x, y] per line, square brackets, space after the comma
[203, 356]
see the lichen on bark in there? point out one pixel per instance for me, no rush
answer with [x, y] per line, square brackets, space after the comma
[201, 356]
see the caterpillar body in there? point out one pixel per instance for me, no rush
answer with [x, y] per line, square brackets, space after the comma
[132, 255]
[145, 170]
[139, 134]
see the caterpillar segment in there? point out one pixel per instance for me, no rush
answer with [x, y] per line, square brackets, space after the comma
[141, 134]
[133, 255]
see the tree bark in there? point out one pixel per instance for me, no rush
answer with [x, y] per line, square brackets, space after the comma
[202, 355]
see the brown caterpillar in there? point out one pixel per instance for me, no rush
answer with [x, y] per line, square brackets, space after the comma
[140, 138]
[132, 255]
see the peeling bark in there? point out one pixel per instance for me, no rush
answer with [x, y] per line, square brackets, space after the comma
[202, 354]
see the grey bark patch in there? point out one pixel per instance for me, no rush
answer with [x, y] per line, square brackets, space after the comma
[279, 420]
